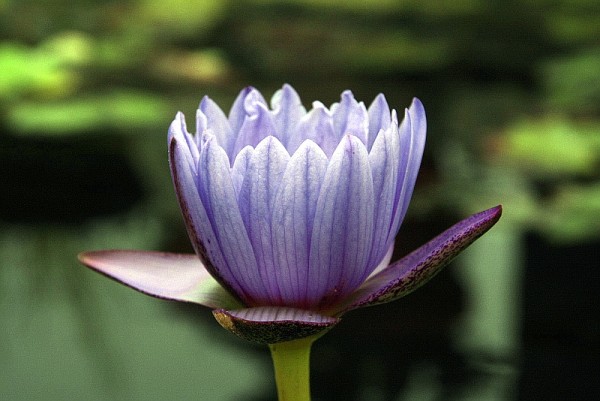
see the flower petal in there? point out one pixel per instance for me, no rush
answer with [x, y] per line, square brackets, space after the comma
[240, 166]
[270, 325]
[343, 226]
[217, 122]
[384, 159]
[287, 112]
[256, 198]
[257, 125]
[238, 112]
[350, 117]
[199, 228]
[178, 130]
[413, 131]
[379, 118]
[292, 222]
[316, 126]
[172, 276]
[415, 269]
[218, 196]
[385, 262]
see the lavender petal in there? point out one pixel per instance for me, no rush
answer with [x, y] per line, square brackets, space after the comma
[256, 198]
[343, 226]
[218, 196]
[379, 118]
[292, 222]
[287, 112]
[217, 122]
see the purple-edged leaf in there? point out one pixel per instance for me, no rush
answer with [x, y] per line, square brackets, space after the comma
[171, 276]
[270, 325]
[414, 270]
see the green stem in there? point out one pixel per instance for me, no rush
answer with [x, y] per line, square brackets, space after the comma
[291, 360]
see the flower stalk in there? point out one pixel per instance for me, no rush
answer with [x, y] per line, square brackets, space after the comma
[291, 362]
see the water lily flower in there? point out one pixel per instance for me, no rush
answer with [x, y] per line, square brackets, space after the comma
[292, 214]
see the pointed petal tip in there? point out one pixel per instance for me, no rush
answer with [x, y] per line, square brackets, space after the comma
[205, 99]
[177, 125]
[485, 218]
[380, 97]
[416, 109]
[347, 93]
[417, 102]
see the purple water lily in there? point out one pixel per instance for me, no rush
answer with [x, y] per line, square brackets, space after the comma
[292, 214]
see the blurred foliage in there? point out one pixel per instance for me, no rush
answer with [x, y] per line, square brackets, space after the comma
[110, 111]
[553, 147]
[573, 82]
[511, 88]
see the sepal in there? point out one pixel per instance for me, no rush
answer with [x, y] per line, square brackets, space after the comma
[176, 277]
[272, 324]
[418, 267]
